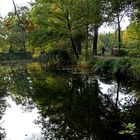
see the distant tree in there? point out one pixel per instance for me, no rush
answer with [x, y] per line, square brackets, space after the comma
[117, 9]
[2, 34]
[18, 24]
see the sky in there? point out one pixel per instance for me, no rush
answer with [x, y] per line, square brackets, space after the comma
[106, 29]
[7, 5]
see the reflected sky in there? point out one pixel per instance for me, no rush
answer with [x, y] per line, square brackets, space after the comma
[111, 89]
[20, 124]
[43, 105]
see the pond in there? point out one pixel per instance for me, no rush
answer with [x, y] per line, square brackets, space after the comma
[36, 104]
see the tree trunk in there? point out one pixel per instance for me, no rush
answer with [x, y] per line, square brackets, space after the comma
[77, 42]
[119, 32]
[79, 49]
[86, 49]
[78, 45]
[139, 26]
[95, 40]
[117, 96]
[10, 49]
[20, 24]
[71, 38]
[25, 35]
[74, 47]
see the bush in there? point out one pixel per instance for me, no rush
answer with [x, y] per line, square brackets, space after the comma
[119, 52]
[122, 67]
[15, 56]
[134, 52]
[56, 57]
[135, 69]
[104, 67]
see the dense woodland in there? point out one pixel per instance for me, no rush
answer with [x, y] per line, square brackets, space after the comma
[60, 33]
[69, 29]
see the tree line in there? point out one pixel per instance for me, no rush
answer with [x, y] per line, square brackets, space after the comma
[69, 24]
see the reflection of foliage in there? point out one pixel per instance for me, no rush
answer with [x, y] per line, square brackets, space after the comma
[74, 108]
[130, 129]
[69, 117]
[74, 112]
[49, 90]
[21, 86]
[71, 106]
[21, 81]
[4, 82]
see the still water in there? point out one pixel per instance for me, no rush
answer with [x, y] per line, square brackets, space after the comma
[39, 105]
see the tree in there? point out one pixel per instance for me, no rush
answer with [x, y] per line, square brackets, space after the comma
[58, 20]
[117, 10]
[136, 9]
[98, 20]
[2, 34]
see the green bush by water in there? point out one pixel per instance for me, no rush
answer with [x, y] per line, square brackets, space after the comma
[123, 67]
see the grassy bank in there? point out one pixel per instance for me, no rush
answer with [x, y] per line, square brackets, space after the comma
[123, 67]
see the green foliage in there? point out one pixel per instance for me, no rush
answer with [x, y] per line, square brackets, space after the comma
[91, 60]
[18, 26]
[15, 56]
[122, 67]
[128, 67]
[104, 66]
[56, 57]
[130, 129]
[63, 20]
[119, 52]
[134, 52]
[135, 69]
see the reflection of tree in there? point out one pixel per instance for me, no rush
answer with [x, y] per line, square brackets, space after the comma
[2, 110]
[74, 108]
[72, 117]
[106, 79]
[117, 87]
[129, 111]
[21, 86]
[4, 82]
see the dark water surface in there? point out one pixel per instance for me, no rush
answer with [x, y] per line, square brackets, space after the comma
[40, 105]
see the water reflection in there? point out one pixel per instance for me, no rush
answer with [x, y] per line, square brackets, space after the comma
[3, 93]
[66, 106]
[121, 94]
[18, 123]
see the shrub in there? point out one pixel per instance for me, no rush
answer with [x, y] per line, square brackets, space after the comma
[134, 52]
[135, 69]
[119, 52]
[104, 66]
[122, 67]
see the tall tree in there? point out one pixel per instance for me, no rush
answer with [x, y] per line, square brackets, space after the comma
[93, 16]
[22, 17]
[98, 20]
[117, 10]
[57, 17]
